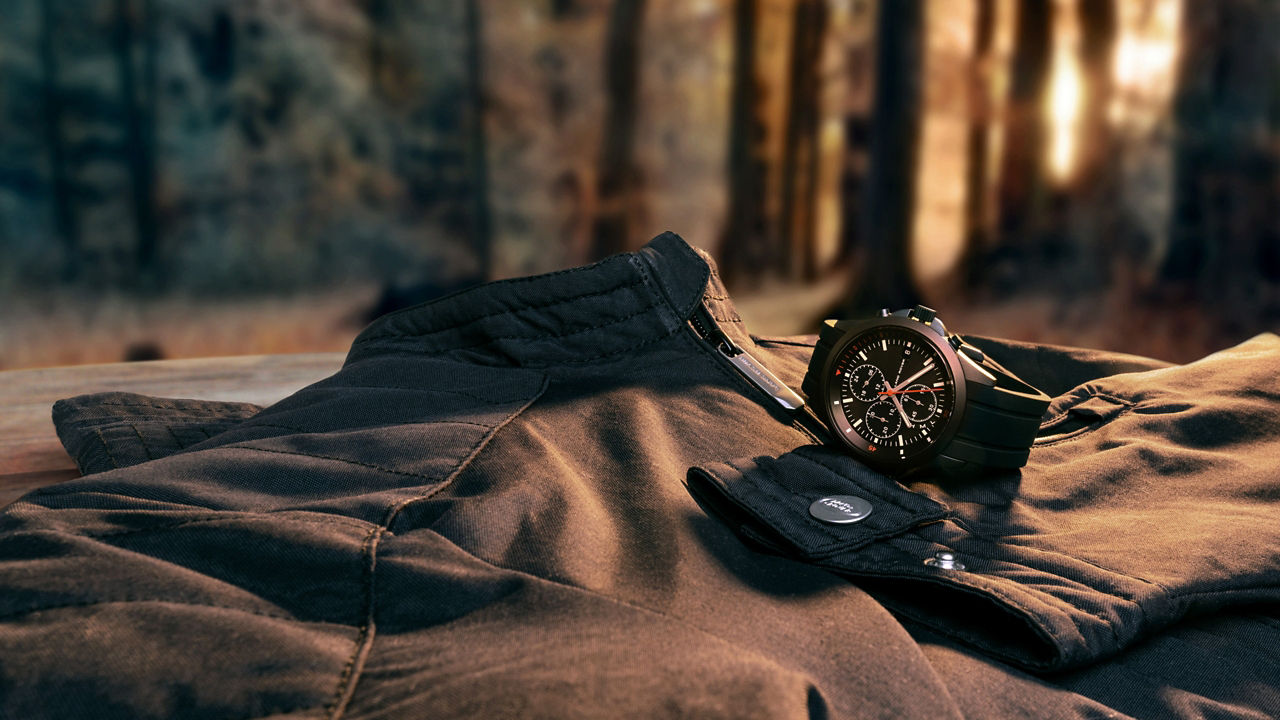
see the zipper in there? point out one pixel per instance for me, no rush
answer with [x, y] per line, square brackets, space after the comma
[753, 370]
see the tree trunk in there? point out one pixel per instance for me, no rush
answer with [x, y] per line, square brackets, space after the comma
[617, 176]
[1226, 170]
[744, 247]
[883, 278]
[977, 223]
[1021, 174]
[139, 122]
[1098, 28]
[800, 156]
[477, 147]
[65, 220]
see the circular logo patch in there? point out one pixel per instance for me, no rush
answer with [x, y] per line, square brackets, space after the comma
[840, 509]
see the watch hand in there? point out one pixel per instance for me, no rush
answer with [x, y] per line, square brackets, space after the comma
[900, 392]
[907, 382]
[898, 404]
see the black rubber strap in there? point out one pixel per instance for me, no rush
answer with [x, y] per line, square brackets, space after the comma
[1000, 421]
[827, 340]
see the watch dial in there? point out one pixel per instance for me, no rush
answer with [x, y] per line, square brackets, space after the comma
[892, 392]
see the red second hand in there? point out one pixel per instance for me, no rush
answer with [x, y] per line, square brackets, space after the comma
[900, 392]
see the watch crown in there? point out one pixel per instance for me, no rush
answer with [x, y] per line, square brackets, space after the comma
[924, 314]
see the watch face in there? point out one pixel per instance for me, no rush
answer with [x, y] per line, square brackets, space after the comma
[891, 393]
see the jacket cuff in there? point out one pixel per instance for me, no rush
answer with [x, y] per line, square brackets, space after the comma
[104, 431]
[1035, 609]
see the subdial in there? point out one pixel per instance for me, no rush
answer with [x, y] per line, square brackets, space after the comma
[865, 382]
[883, 420]
[919, 403]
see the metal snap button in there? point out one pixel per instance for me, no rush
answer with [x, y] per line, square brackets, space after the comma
[840, 509]
[944, 560]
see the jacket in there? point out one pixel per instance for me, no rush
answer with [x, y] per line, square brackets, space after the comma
[552, 497]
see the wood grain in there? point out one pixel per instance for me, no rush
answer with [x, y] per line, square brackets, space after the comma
[32, 457]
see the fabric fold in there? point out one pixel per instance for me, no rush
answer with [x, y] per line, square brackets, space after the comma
[1148, 498]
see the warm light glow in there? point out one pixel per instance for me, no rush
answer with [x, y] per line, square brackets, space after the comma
[1065, 99]
[1145, 67]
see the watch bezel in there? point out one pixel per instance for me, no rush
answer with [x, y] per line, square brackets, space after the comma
[838, 424]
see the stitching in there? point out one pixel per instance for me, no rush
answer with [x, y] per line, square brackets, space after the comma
[120, 421]
[759, 510]
[473, 396]
[867, 488]
[254, 424]
[509, 281]
[498, 313]
[142, 441]
[352, 672]
[470, 455]
[587, 360]
[326, 457]
[364, 638]
[666, 289]
[594, 358]
[110, 456]
[175, 437]
[540, 338]
[202, 407]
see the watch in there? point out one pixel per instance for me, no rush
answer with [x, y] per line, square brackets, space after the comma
[904, 396]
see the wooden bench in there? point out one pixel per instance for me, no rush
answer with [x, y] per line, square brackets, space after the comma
[32, 457]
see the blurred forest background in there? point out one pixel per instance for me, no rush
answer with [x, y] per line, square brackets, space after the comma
[218, 177]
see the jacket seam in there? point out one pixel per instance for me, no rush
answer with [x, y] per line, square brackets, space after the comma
[353, 672]
[110, 456]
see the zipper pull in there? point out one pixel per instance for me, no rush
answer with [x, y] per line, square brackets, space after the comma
[750, 368]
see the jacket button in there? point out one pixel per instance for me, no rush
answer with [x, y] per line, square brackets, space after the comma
[840, 509]
[944, 560]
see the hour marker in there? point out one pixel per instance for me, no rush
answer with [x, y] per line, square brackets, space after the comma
[939, 384]
[847, 400]
[884, 345]
[857, 422]
[900, 442]
[862, 355]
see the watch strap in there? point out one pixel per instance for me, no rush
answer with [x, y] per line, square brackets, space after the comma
[827, 338]
[1000, 420]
